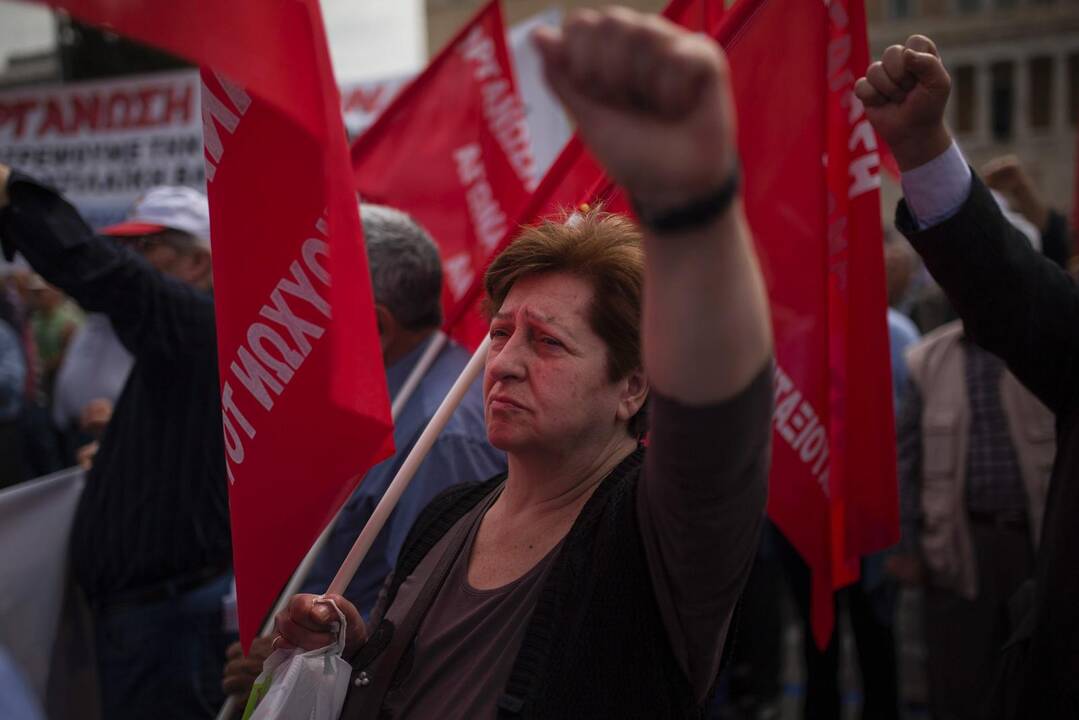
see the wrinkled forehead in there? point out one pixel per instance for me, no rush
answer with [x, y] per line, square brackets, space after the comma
[556, 298]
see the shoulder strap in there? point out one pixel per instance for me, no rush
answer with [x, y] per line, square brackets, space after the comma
[549, 616]
[404, 633]
[440, 515]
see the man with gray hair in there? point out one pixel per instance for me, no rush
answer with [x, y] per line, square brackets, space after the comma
[406, 276]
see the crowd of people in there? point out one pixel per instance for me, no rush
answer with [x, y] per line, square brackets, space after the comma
[547, 561]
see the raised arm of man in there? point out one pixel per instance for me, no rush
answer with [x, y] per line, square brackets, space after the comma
[1014, 302]
[1017, 304]
[149, 310]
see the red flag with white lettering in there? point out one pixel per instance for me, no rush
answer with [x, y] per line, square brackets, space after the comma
[453, 151]
[305, 406]
[865, 505]
[810, 192]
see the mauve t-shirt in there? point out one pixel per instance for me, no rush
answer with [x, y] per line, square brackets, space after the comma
[700, 501]
[468, 633]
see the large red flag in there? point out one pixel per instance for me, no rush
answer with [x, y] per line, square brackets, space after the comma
[304, 402]
[453, 151]
[865, 506]
[811, 196]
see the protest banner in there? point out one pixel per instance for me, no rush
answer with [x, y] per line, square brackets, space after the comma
[35, 525]
[102, 143]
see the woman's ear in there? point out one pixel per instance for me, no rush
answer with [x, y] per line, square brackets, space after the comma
[634, 393]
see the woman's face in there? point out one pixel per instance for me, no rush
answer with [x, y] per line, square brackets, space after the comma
[546, 385]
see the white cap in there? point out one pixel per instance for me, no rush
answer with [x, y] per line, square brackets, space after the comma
[167, 207]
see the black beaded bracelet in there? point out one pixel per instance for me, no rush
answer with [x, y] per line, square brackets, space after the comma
[694, 214]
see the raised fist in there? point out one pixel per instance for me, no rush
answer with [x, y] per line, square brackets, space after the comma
[652, 101]
[905, 94]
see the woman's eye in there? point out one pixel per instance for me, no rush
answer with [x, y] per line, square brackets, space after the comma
[498, 333]
[551, 342]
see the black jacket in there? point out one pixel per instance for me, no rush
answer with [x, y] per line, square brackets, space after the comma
[155, 507]
[1022, 307]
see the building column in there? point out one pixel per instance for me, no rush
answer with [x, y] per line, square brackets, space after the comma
[983, 85]
[1061, 121]
[1021, 108]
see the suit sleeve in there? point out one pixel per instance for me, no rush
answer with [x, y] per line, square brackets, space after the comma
[1013, 301]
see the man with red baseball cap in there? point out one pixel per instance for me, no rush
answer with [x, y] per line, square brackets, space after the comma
[150, 546]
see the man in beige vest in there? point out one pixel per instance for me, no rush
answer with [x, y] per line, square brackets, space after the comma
[975, 454]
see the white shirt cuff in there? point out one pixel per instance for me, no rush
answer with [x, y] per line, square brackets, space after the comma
[936, 190]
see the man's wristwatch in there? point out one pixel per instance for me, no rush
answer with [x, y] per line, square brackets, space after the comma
[694, 214]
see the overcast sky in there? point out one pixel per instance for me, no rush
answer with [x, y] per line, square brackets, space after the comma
[368, 38]
[24, 28]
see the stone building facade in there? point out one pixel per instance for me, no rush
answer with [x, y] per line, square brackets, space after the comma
[1015, 75]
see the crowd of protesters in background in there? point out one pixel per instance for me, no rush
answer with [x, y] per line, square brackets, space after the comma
[62, 370]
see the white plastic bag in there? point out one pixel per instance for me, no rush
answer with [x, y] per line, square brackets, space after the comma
[298, 685]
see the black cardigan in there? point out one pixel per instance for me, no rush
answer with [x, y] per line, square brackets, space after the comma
[1022, 307]
[596, 645]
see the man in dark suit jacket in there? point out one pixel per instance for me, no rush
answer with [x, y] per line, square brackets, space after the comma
[1022, 307]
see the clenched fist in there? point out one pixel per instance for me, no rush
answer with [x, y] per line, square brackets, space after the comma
[652, 101]
[905, 94]
[310, 623]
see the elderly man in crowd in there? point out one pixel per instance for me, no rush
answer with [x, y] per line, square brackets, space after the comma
[975, 452]
[1018, 305]
[597, 578]
[406, 276]
[150, 546]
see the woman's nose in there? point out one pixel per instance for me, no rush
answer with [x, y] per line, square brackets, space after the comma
[508, 360]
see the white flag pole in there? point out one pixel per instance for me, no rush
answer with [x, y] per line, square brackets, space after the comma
[299, 577]
[408, 470]
[438, 341]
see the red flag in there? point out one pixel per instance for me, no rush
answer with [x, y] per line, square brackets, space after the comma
[811, 195]
[304, 402]
[865, 503]
[453, 151]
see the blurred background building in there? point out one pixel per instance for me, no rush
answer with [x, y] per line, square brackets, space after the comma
[445, 17]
